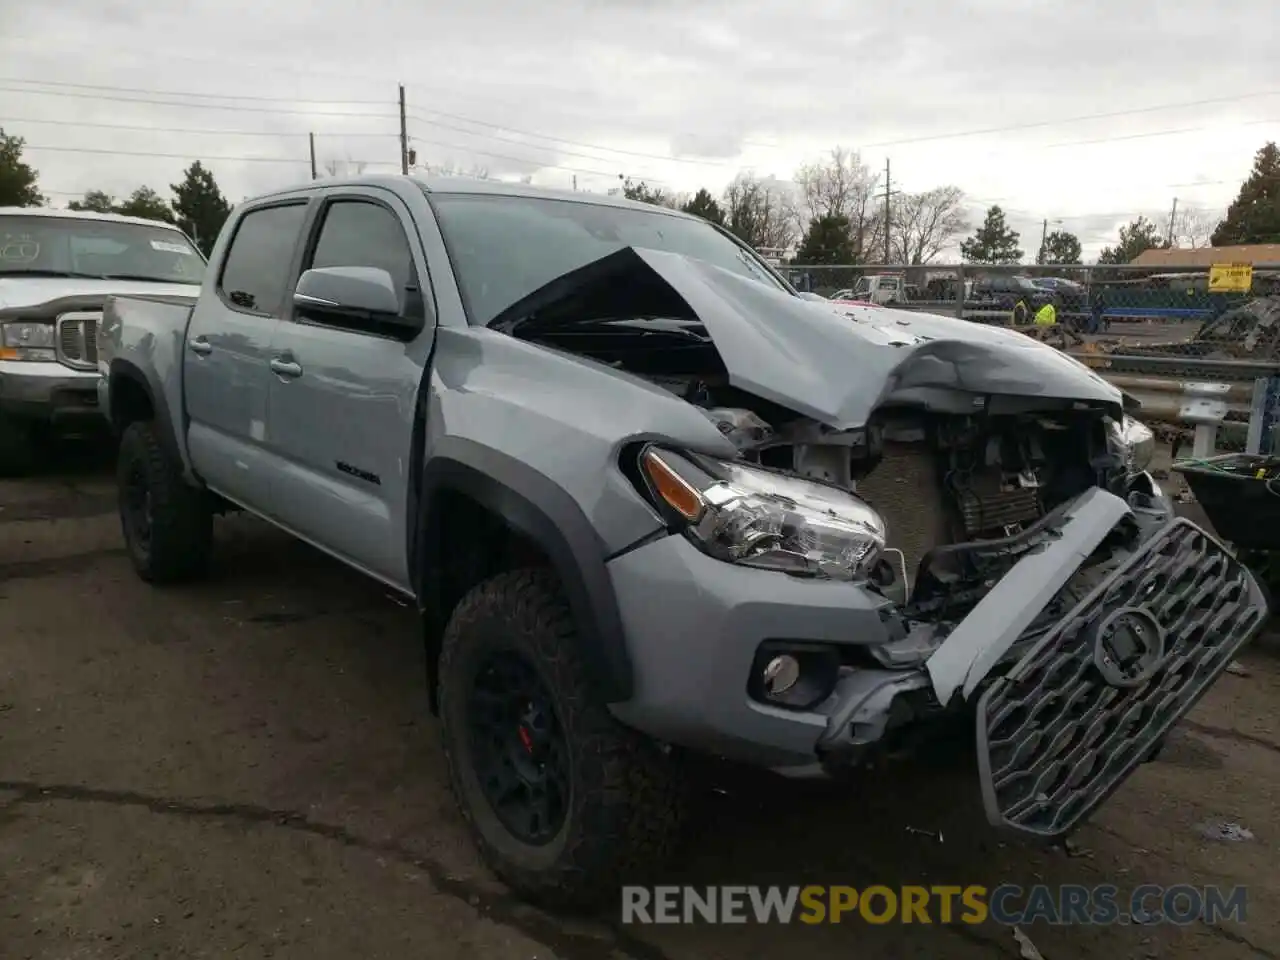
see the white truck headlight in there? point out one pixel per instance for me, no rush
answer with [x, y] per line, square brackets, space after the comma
[1135, 443]
[27, 341]
[763, 518]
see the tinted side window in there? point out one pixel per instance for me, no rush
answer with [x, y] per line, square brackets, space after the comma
[255, 271]
[360, 234]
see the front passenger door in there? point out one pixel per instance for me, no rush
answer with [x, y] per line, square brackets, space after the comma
[343, 397]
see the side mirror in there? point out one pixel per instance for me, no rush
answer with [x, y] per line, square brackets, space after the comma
[355, 293]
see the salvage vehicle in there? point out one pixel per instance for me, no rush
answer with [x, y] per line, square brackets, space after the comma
[653, 504]
[882, 288]
[56, 269]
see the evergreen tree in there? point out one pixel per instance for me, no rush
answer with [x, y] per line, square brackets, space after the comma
[993, 242]
[1254, 216]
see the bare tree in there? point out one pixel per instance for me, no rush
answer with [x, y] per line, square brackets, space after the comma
[841, 185]
[449, 168]
[344, 168]
[759, 213]
[924, 223]
[1193, 227]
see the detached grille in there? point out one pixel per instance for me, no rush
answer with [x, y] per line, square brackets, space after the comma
[1085, 706]
[78, 339]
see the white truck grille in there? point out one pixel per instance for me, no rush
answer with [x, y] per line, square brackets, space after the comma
[78, 339]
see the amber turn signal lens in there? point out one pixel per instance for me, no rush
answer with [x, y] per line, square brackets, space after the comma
[673, 488]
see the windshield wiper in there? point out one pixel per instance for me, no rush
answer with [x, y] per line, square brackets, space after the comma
[71, 274]
[146, 278]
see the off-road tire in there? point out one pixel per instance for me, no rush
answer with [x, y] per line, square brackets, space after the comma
[17, 448]
[181, 538]
[627, 800]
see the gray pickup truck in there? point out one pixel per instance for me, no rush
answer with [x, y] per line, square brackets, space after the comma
[56, 269]
[653, 504]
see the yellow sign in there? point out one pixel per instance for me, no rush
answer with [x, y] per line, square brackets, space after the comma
[1230, 277]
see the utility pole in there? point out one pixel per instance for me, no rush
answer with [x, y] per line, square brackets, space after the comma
[312, 137]
[404, 136]
[575, 183]
[1172, 216]
[1044, 236]
[888, 219]
[888, 214]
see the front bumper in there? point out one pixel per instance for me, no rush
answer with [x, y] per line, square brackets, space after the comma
[1055, 735]
[47, 392]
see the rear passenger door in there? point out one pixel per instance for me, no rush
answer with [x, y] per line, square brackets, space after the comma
[342, 416]
[225, 376]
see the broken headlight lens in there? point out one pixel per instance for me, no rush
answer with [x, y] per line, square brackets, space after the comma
[762, 518]
[1134, 442]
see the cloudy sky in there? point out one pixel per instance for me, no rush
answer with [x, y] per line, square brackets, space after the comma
[1088, 113]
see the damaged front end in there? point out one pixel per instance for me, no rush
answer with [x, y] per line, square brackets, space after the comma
[980, 498]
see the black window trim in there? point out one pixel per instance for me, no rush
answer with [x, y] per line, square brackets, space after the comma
[311, 233]
[244, 215]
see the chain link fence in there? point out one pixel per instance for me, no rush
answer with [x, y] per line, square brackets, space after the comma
[1165, 337]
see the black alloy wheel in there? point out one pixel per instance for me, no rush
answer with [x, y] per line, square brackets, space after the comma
[519, 747]
[135, 502]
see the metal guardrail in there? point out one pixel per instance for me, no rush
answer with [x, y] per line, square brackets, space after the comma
[1178, 367]
[1204, 407]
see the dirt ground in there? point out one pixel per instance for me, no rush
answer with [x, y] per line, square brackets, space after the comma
[247, 768]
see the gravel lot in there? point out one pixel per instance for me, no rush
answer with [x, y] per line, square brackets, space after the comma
[246, 768]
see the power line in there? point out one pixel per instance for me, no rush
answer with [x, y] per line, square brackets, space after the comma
[187, 156]
[178, 93]
[197, 106]
[302, 160]
[666, 158]
[190, 130]
[535, 146]
[538, 164]
[1154, 133]
[1077, 119]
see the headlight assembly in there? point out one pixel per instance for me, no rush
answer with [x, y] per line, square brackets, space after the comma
[27, 341]
[761, 518]
[1134, 441]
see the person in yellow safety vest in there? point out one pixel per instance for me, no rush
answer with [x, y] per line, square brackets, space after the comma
[1046, 316]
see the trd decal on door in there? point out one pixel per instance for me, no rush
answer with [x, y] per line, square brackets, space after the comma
[359, 474]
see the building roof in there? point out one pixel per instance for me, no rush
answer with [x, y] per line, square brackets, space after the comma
[1205, 257]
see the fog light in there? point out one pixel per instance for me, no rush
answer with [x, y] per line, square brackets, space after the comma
[780, 675]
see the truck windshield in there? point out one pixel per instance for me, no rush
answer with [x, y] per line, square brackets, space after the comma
[107, 249]
[505, 247]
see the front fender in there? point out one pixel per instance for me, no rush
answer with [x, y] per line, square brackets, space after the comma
[542, 511]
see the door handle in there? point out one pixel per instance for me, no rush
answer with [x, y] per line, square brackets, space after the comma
[285, 368]
[200, 345]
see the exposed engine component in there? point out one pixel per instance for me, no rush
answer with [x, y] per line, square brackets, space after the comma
[906, 488]
[936, 480]
[746, 430]
[993, 478]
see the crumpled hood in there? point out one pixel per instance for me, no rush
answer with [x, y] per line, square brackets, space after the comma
[836, 363]
[19, 292]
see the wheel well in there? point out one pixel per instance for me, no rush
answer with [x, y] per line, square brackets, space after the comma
[129, 403]
[466, 544]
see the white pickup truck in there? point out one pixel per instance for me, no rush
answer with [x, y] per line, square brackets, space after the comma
[56, 269]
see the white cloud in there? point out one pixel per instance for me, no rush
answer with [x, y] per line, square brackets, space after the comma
[621, 84]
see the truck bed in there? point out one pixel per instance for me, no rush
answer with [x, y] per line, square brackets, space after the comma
[143, 335]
